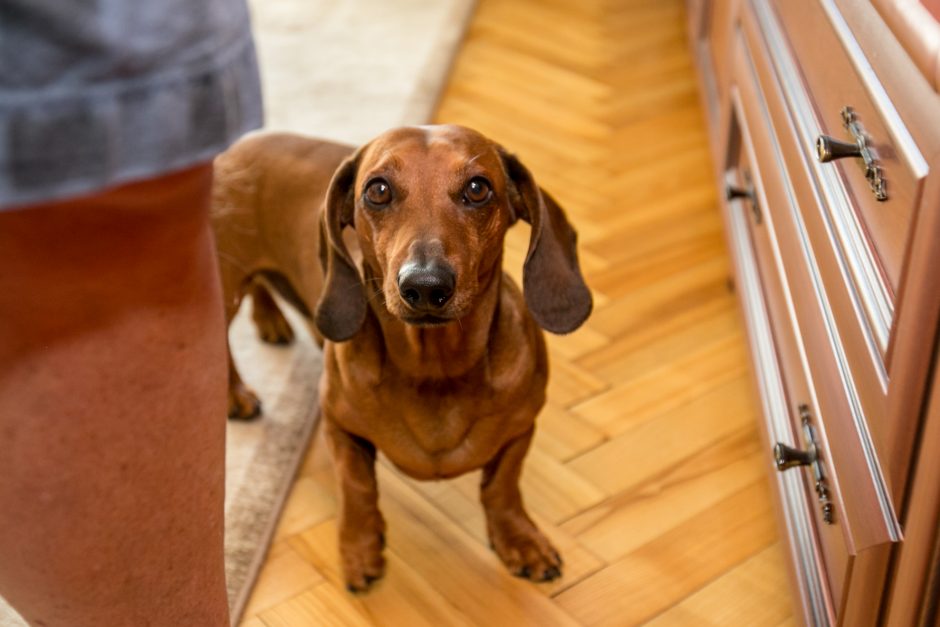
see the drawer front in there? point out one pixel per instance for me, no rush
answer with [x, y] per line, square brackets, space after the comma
[815, 379]
[808, 573]
[837, 74]
[811, 581]
[752, 165]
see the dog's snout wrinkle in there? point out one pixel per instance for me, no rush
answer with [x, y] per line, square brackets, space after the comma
[423, 252]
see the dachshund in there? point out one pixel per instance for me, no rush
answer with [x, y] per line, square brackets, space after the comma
[432, 354]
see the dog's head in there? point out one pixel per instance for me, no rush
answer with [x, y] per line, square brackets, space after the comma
[430, 206]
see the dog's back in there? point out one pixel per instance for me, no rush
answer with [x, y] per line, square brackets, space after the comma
[269, 187]
[270, 184]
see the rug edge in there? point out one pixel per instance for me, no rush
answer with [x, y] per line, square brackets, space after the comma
[240, 601]
[421, 109]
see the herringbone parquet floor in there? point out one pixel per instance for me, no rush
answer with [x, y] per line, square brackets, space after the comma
[646, 470]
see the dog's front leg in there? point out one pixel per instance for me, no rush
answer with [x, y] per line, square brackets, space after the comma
[361, 526]
[513, 535]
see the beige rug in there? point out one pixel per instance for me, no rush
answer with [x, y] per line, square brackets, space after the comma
[347, 71]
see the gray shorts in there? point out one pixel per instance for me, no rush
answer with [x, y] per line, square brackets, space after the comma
[95, 93]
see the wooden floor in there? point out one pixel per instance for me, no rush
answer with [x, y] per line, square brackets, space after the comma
[647, 470]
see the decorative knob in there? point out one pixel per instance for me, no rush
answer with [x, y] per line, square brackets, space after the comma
[829, 149]
[788, 457]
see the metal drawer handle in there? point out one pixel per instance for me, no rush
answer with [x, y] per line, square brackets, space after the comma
[787, 457]
[732, 192]
[829, 149]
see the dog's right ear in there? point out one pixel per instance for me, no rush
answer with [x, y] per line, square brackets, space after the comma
[341, 309]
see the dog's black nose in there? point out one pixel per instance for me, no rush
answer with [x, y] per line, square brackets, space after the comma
[426, 287]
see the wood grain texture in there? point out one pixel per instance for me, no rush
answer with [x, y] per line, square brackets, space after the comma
[646, 470]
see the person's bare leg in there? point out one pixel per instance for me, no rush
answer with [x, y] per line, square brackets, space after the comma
[112, 409]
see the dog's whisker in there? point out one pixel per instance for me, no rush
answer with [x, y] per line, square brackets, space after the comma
[232, 260]
[242, 230]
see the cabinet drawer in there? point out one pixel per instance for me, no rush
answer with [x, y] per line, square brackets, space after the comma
[752, 167]
[795, 510]
[837, 75]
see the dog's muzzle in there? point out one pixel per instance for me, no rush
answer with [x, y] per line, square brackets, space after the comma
[426, 288]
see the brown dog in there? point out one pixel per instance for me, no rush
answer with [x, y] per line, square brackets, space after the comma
[434, 356]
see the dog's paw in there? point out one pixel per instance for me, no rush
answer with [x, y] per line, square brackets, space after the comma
[274, 328]
[525, 551]
[243, 404]
[363, 562]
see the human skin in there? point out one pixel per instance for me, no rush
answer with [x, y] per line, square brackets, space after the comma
[112, 408]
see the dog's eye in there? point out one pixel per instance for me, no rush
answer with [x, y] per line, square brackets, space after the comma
[478, 191]
[378, 193]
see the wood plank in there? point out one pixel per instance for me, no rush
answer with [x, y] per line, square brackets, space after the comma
[676, 296]
[672, 385]
[574, 345]
[660, 340]
[402, 597]
[632, 518]
[459, 501]
[556, 490]
[562, 434]
[469, 575]
[321, 605]
[310, 502]
[668, 263]
[654, 447]
[652, 578]
[748, 594]
[619, 245]
[284, 575]
[570, 383]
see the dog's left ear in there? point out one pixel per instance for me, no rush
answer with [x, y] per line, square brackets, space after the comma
[552, 284]
[341, 309]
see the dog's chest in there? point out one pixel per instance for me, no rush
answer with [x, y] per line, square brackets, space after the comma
[441, 429]
[440, 421]
[444, 416]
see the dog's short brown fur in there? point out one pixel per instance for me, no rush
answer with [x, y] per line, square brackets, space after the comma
[434, 356]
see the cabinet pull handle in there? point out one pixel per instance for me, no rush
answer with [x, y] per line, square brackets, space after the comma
[787, 457]
[830, 149]
[733, 192]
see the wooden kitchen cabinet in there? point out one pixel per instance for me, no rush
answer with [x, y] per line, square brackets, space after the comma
[825, 136]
